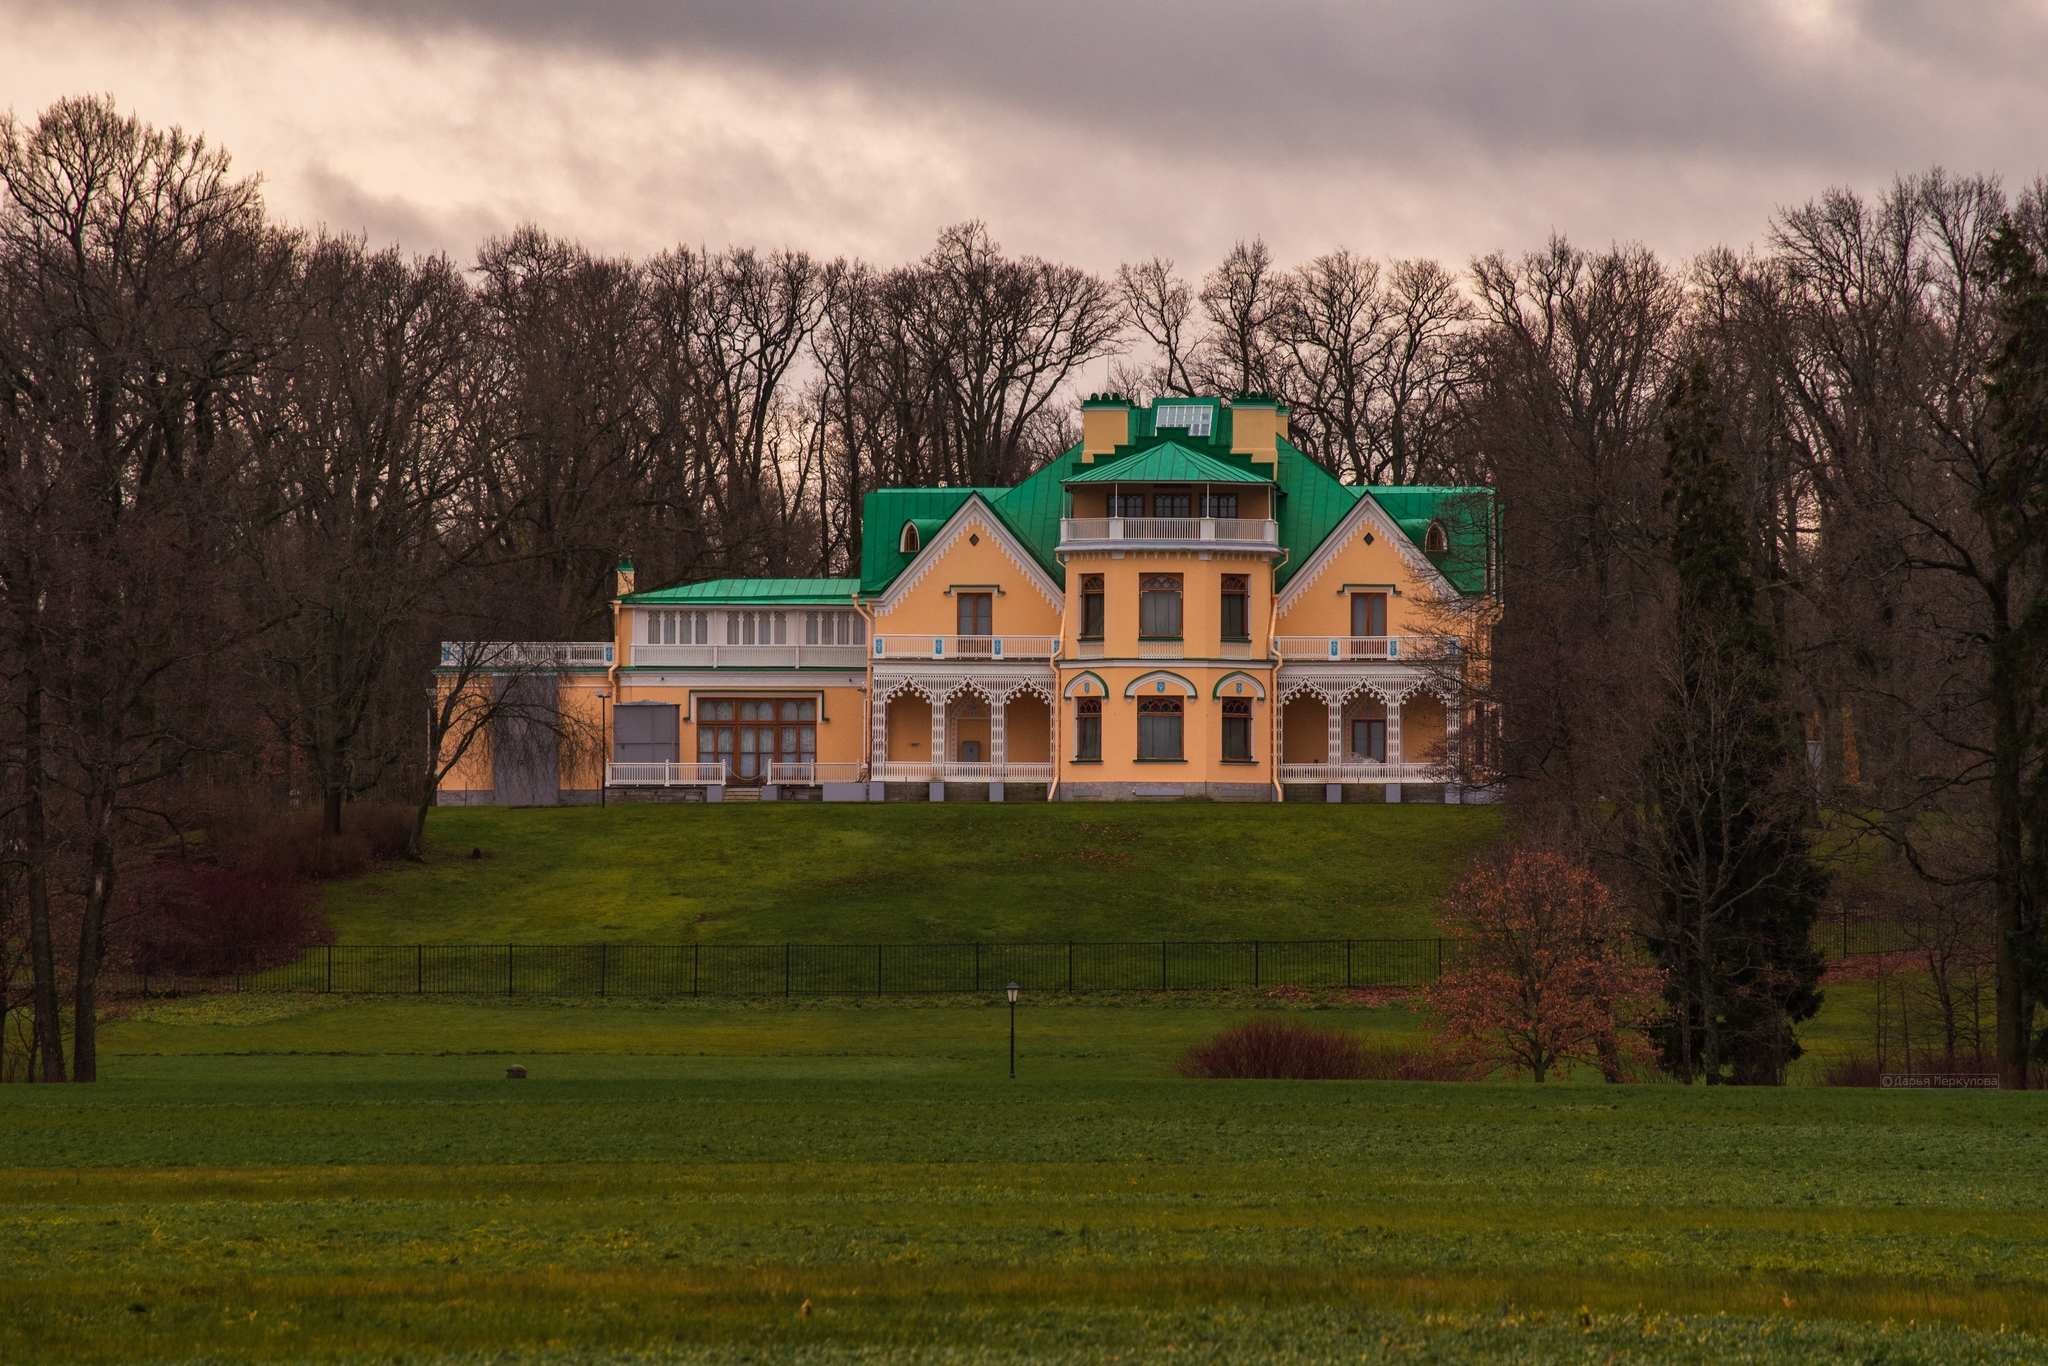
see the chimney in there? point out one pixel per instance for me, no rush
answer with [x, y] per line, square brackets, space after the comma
[1257, 423]
[1105, 425]
[625, 576]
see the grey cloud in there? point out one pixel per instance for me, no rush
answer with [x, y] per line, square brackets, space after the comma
[1901, 82]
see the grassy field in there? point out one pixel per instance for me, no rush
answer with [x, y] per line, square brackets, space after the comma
[338, 1179]
[915, 872]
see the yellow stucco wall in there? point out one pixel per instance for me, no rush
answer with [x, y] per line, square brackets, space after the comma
[1019, 607]
[1027, 729]
[1323, 607]
[910, 729]
[1201, 599]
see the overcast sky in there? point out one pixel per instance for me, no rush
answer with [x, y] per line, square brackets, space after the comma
[1090, 132]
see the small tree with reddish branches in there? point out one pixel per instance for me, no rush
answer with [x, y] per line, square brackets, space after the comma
[1544, 971]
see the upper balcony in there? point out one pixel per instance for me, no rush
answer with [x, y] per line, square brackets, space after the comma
[750, 656]
[1120, 533]
[1364, 649]
[890, 645]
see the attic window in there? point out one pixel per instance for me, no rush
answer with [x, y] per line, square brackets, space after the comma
[907, 543]
[1434, 541]
[1193, 418]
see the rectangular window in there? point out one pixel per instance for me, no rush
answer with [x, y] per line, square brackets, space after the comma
[1237, 729]
[1369, 740]
[768, 732]
[1223, 505]
[1159, 606]
[1159, 727]
[975, 614]
[1091, 607]
[1368, 614]
[1237, 607]
[1172, 504]
[1127, 505]
[1192, 418]
[1088, 728]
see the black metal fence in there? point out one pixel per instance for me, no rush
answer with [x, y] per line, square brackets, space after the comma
[656, 970]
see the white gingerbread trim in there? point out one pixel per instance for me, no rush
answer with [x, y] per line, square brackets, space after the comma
[1366, 511]
[1030, 687]
[1303, 687]
[888, 692]
[974, 509]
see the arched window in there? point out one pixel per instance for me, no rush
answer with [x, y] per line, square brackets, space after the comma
[1434, 541]
[1237, 730]
[908, 543]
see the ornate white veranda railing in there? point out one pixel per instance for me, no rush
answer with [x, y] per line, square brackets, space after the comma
[1257, 532]
[750, 656]
[1340, 649]
[899, 646]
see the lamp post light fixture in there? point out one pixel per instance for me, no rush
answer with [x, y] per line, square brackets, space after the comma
[604, 758]
[1011, 992]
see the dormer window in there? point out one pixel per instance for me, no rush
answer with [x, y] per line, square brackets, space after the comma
[1192, 418]
[908, 543]
[1434, 541]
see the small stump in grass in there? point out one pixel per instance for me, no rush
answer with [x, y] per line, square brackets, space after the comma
[516, 1072]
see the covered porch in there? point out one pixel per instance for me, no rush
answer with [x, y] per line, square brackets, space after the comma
[1396, 736]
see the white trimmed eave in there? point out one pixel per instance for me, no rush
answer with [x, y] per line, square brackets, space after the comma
[948, 535]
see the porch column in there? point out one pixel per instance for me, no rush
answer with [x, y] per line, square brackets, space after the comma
[1454, 734]
[998, 747]
[938, 748]
[878, 746]
[1333, 753]
[1394, 747]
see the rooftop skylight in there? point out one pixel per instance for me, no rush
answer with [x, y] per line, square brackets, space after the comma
[1193, 418]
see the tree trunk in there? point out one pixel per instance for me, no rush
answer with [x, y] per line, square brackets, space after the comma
[92, 949]
[330, 811]
[48, 1027]
[2008, 834]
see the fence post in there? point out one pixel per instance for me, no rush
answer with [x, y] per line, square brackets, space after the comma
[508, 969]
[788, 952]
[977, 966]
[1255, 965]
[878, 969]
[1347, 965]
[1070, 967]
[1439, 960]
[1162, 965]
[696, 966]
[602, 965]
[330, 969]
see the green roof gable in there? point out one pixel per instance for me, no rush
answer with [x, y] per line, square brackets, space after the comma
[812, 592]
[1166, 463]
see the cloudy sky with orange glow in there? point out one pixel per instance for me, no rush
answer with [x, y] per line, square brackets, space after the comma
[1089, 132]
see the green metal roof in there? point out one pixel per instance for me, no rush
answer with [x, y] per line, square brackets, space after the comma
[832, 592]
[1166, 463]
[1309, 502]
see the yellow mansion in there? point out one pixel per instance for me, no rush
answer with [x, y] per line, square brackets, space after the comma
[1182, 605]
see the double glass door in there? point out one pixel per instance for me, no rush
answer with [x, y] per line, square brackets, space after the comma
[749, 736]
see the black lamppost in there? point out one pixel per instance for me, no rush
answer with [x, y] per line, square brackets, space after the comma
[604, 758]
[1011, 992]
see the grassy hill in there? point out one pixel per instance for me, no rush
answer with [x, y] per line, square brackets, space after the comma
[910, 873]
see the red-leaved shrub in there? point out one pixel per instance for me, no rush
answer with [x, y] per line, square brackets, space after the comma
[209, 919]
[297, 845]
[1282, 1049]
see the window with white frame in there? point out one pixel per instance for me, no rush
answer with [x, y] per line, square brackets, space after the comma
[678, 628]
[835, 628]
[757, 628]
[1192, 418]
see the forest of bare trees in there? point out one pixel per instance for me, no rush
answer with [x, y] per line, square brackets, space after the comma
[252, 474]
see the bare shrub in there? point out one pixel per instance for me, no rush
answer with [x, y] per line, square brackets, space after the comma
[295, 844]
[1277, 1049]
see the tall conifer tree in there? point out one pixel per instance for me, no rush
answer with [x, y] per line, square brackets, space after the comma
[1724, 826]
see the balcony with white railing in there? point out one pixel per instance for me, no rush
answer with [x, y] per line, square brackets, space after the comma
[750, 656]
[1254, 533]
[1360, 772]
[961, 773]
[1363, 649]
[667, 775]
[487, 655]
[812, 775]
[893, 646]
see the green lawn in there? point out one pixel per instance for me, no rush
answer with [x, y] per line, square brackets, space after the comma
[268, 1178]
[917, 872]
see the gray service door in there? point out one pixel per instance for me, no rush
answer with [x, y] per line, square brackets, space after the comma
[644, 733]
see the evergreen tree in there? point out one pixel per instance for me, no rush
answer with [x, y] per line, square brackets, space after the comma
[1724, 827]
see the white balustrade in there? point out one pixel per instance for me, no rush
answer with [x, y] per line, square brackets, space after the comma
[895, 646]
[487, 655]
[1169, 530]
[750, 656]
[1342, 648]
[666, 775]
